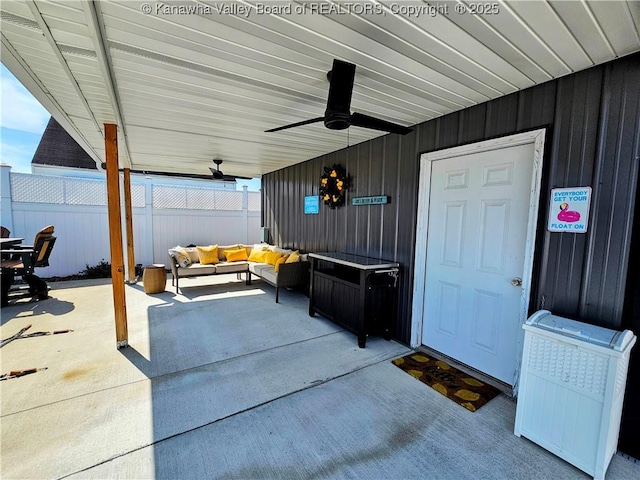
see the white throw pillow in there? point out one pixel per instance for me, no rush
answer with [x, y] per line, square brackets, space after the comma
[181, 256]
[284, 251]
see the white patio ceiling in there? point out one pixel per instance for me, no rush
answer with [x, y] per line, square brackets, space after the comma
[186, 88]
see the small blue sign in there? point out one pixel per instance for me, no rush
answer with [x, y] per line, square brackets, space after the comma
[311, 205]
[377, 200]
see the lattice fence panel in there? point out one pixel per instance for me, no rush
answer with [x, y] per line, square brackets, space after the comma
[137, 195]
[166, 197]
[255, 202]
[228, 200]
[201, 199]
[37, 188]
[82, 191]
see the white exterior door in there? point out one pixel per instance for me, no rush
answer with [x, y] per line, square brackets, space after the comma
[478, 217]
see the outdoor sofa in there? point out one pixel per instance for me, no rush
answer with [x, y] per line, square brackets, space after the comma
[279, 267]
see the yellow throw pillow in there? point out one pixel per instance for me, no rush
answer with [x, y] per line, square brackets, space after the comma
[237, 255]
[272, 258]
[294, 257]
[279, 262]
[259, 256]
[208, 255]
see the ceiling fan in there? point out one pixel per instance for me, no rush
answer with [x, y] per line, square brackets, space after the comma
[337, 116]
[218, 175]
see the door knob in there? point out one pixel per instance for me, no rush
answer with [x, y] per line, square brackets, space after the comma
[516, 282]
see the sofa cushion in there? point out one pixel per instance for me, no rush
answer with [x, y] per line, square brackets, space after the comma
[180, 255]
[284, 251]
[208, 255]
[232, 267]
[258, 256]
[294, 257]
[258, 267]
[268, 273]
[280, 261]
[193, 254]
[236, 255]
[222, 248]
[250, 248]
[196, 269]
[273, 257]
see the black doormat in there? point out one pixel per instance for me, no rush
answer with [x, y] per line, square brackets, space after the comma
[459, 386]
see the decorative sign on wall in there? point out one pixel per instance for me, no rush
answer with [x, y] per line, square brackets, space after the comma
[311, 205]
[333, 184]
[376, 200]
[569, 209]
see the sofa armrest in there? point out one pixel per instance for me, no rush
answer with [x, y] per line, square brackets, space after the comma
[174, 266]
[293, 274]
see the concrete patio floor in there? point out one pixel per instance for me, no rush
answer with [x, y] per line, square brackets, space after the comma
[221, 382]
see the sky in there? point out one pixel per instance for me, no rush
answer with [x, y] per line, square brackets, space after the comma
[22, 122]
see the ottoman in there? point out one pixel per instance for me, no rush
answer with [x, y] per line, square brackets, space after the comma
[154, 278]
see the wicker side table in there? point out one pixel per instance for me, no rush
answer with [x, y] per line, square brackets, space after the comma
[154, 278]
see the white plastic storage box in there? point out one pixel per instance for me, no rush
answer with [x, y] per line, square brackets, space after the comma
[571, 389]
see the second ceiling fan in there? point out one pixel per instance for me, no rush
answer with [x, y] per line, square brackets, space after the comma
[338, 115]
[218, 175]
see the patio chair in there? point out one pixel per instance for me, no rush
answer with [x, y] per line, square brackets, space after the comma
[23, 260]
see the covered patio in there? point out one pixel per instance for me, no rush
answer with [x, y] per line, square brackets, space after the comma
[221, 382]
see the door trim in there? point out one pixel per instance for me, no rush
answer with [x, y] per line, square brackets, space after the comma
[535, 137]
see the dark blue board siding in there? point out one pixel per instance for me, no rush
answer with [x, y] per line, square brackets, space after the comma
[593, 135]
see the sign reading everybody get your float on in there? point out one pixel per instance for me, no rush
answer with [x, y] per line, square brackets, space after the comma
[569, 209]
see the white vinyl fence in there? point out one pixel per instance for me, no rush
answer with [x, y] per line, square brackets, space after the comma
[163, 216]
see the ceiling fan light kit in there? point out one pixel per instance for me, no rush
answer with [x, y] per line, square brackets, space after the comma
[338, 115]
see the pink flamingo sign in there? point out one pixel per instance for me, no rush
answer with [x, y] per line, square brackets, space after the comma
[569, 209]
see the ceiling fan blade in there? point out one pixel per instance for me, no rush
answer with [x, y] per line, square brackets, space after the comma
[217, 174]
[298, 124]
[365, 121]
[338, 116]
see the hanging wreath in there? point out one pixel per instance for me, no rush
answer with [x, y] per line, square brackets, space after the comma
[333, 184]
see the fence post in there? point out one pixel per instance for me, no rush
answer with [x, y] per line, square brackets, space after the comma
[148, 217]
[128, 215]
[245, 213]
[6, 214]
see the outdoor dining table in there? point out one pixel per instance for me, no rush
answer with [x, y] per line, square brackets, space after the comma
[10, 242]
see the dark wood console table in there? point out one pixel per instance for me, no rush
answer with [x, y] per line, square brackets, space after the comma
[359, 293]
